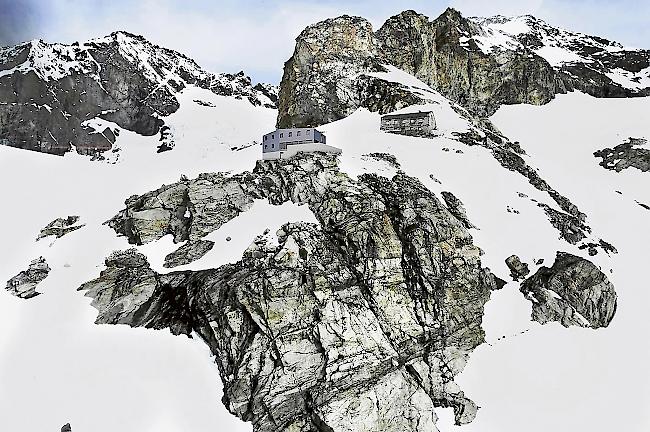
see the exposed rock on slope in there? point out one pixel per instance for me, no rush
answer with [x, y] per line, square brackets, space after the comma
[189, 252]
[55, 96]
[518, 269]
[478, 63]
[60, 227]
[626, 155]
[23, 285]
[456, 208]
[360, 321]
[573, 292]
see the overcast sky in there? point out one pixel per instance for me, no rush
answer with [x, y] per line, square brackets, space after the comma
[257, 36]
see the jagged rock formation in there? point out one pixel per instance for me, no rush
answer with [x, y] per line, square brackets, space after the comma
[626, 155]
[478, 63]
[60, 227]
[66, 428]
[440, 53]
[456, 208]
[518, 269]
[189, 252]
[362, 319]
[55, 96]
[573, 291]
[329, 75]
[23, 285]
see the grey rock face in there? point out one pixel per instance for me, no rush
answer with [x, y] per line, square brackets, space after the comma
[189, 252]
[189, 209]
[321, 80]
[518, 270]
[434, 53]
[456, 208]
[60, 227]
[66, 428]
[48, 92]
[326, 78]
[573, 291]
[364, 318]
[23, 285]
[626, 155]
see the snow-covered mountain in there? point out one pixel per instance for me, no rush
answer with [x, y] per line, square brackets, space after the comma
[567, 51]
[480, 64]
[58, 97]
[393, 288]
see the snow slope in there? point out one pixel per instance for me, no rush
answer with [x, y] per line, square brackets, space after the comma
[50, 347]
[585, 380]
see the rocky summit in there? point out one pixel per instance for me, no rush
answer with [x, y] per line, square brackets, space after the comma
[56, 97]
[364, 318]
[480, 63]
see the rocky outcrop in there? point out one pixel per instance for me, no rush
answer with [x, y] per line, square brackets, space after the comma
[573, 291]
[456, 208]
[24, 284]
[56, 97]
[60, 227]
[189, 252]
[472, 62]
[329, 75]
[188, 209]
[66, 428]
[439, 53]
[626, 155]
[518, 269]
[362, 319]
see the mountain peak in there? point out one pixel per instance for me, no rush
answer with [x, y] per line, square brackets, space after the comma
[121, 78]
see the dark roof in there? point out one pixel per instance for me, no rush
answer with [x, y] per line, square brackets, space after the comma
[419, 114]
